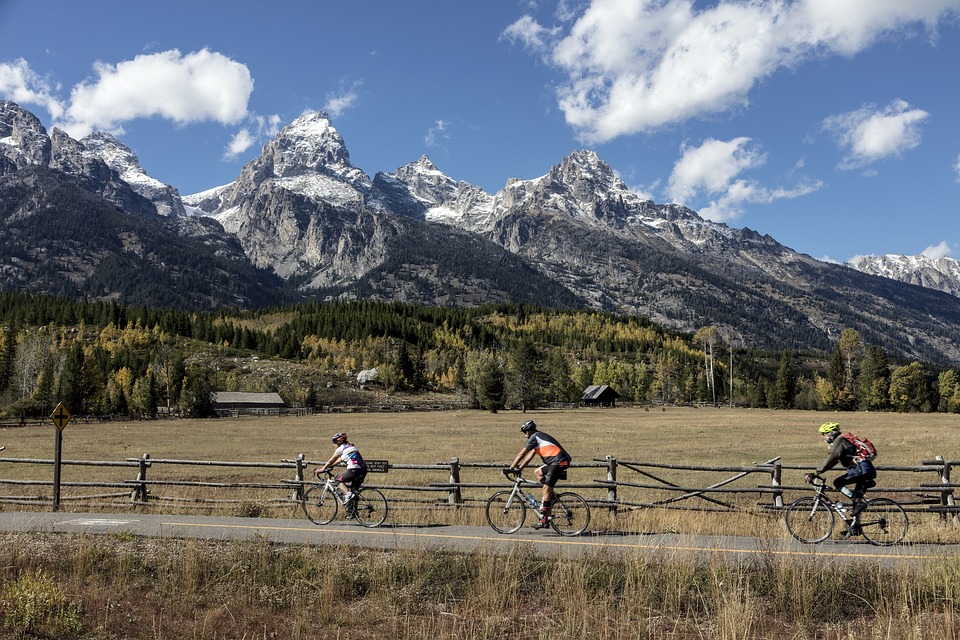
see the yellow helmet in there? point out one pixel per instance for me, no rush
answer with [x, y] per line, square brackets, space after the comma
[830, 427]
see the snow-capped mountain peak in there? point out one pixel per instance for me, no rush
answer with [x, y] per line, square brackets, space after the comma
[119, 157]
[942, 273]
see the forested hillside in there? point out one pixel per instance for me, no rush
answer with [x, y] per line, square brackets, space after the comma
[108, 359]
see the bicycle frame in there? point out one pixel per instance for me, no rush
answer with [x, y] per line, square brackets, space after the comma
[322, 501]
[880, 521]
[506, 510]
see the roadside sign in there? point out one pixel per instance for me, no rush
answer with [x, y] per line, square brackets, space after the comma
[377, 466]
[61, 416]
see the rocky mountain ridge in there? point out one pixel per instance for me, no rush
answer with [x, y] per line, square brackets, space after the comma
[942, 274]
[574, 237]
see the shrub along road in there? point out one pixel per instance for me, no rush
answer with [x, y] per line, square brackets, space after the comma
[465, 538]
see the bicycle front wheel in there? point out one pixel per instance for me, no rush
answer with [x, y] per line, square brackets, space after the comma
[570, 514]
[810, 519]
[371, 508]
[319, 504]
[883, 522]
[504, 514]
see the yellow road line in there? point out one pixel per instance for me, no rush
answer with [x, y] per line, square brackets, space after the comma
[566, 542]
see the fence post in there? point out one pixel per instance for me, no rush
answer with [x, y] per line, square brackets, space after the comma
[776, 478]
[140, 491]
[612, 477]
[946, 496]
[453, 497]
[298, 487]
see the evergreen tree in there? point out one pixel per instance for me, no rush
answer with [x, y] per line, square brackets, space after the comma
[490, 387]
[526, 376]
[873, 383]
[195, 396]
[72, 390]
[8, 357]
[785, 384]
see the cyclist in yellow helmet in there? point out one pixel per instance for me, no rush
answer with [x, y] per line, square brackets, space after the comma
[844, 451]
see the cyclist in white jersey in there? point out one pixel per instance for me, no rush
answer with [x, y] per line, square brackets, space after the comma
[347, 454]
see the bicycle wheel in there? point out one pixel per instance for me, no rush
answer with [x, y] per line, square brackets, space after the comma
[810, 519]
[570, 514]
[504, 515]
[883, 522]
[320, 505]
[371, 508]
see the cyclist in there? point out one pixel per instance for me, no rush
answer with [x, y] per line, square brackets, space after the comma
[860, 471]
[351, 479]
[555, 463]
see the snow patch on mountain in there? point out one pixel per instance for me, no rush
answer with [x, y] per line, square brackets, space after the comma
[942, 274]
[119, 157]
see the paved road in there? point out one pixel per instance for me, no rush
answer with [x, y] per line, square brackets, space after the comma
[464, 538]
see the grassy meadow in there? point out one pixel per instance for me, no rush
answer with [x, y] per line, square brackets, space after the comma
[673, 435]
[123, 587]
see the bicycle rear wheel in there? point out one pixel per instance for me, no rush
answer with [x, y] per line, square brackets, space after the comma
[504, 515]
[371, 508]
[810, 519]
[570, 514]
[883, 522]
[319, 504]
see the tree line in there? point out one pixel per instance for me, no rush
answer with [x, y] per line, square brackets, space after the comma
[107, 358]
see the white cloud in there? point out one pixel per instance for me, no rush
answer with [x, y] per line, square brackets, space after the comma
[196, 87]
[637, 65]
[19, 83]
[712, 170]
[436, 134]
[956, 168]
[264, 127]
[529, 33]
[870, 134]
[937, 251]
[240, 142]
[338, 103]
[711, 167]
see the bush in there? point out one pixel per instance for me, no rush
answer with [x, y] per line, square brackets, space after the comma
[35, 604]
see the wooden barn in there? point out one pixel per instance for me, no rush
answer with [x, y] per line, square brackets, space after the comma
[599, 395]
[225, 403]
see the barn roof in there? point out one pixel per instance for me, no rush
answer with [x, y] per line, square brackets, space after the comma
[245, 397]
[597, 391]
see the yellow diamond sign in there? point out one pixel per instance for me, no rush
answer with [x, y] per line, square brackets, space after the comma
[61, 416]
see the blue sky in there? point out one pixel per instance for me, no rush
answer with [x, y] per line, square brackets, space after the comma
[831, 125]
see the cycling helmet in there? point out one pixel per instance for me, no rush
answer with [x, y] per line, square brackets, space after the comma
[528, 426]
[340, 438]
[829, 427]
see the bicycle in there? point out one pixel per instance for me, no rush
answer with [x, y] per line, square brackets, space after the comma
[506, 510]
[321, 502]
[811, 519]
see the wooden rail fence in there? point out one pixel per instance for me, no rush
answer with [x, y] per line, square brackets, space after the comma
[625, 484]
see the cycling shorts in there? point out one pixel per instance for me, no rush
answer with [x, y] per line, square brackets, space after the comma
[552, 473]
[353, 478]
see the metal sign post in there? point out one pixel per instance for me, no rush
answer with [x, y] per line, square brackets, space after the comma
[61, 417]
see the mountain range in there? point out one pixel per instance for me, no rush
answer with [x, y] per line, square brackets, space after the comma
[81, 218]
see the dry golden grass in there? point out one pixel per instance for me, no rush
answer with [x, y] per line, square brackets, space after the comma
[131, 588]
[674, 435]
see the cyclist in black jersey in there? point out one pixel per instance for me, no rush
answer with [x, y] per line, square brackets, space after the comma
[555, 463]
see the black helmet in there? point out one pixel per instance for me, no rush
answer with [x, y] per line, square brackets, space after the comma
[340, 438]
[528, 427]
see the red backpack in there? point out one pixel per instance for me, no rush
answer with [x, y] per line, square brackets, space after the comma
[865, 448]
